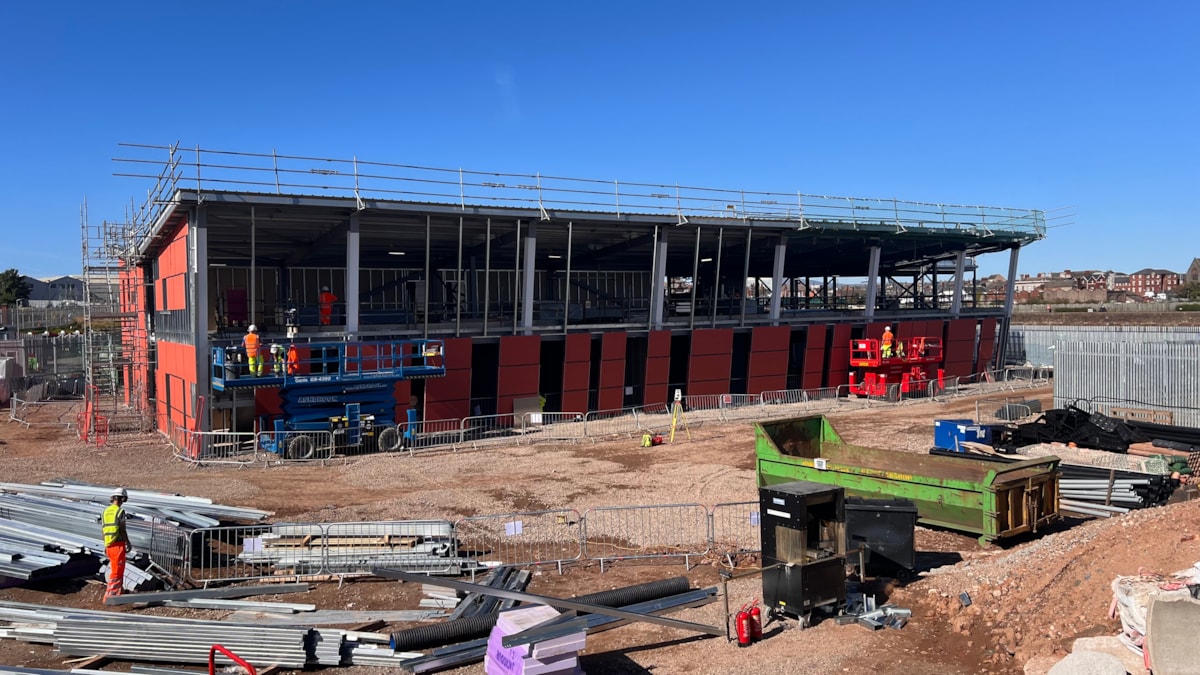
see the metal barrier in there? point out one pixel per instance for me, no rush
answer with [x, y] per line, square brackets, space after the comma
[1002, 411]
[735, 407]
[631, 532]
[701, 402]
[616, 422]
[169, 553]
[35, 414]
[244, 552]
[214, 447]
[549, 537]
[735, 529]
[825, 398]
[421, 546]
[429, 434]
[484, 430]
[783, 397]
[553, 426]
[278, 447]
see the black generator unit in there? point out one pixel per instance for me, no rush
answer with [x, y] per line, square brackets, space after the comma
[884, 529]
[803, 527]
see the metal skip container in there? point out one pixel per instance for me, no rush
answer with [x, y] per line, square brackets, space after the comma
[991, 500]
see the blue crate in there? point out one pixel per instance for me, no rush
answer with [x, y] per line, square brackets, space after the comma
[951, 433]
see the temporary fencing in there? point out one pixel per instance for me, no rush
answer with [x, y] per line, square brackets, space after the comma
[239, 553]
[553, 426]
[168, 550]
[484, 430]
[735, 529]
[293, 446]
[411, 545]
[1003, 411]
[616, 422]
[527, 538]
[214, 447]
[510, 429]
[44, 413]
[631, 532]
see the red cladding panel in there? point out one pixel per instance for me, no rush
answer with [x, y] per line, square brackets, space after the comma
[402, 392]
[814, 357]
[515, 382]
[457, 354]
[267, 401]
[712, 341]
[839, 356]
[578, 348]
[875, 330]
[709, 387]
[449, 397]
[612, 347]
[903, 331]
[575, 401]
[771, 338]
[576, 375]
[447, 410]
[962, 330]
[520, 350]
[658, 366]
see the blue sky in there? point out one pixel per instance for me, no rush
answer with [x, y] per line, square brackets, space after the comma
[1091, 107]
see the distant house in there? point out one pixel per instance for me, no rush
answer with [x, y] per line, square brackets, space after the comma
[1152, 281]
[1193, 272]
[70, 290]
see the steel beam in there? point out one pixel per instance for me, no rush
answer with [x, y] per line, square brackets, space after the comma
[528, 276]
[352, 257]
[960, 264]
[872, 281]
[658, 279]
[207, 593]
[561, 603]
[777, 279]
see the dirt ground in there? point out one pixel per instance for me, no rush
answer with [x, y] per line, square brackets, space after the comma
[1031, 598]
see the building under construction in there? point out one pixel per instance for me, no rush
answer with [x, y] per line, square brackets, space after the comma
[594, 295]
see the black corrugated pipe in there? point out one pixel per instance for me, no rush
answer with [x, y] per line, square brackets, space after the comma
[469, 628]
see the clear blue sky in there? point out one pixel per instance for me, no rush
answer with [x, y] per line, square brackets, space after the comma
[1093, 106]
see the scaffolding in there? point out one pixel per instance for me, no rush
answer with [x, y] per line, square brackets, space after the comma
[116, 341]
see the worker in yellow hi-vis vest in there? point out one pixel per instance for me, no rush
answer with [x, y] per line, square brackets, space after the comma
[116, 542]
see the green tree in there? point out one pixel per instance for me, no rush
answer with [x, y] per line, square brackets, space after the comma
[12, 287]
[1188, 292]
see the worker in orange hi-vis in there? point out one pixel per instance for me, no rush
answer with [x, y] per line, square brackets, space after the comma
[326, 304]
[252, 345]
[293, 360]
[887, 342]
[116, 542]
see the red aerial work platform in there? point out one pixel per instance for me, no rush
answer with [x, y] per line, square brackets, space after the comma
[913, 368]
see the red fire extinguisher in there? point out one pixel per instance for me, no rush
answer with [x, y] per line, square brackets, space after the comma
[755, 622]
[741, 624]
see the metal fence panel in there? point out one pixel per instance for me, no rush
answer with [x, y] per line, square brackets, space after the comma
[244, 552]
[410, 545]
[44, 413]
[430, 434]
[736, 407]
[1003, 411]
[169, 551]
[213, 447]
[553, 426]
[486, 430]
[783, 397]
[1035, 345]
[628, 532]
[616, 422]
[735, 528]
[1150, 375]
[277, 447]
[528, 538]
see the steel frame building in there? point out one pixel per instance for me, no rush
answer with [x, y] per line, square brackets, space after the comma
[594, 294]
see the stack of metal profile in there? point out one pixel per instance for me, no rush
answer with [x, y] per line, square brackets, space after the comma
[135, 638]
[63, 519]
[23, 559]
[414, 545]
[144, 502]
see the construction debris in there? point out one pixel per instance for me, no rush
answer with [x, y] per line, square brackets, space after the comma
[210, 593]
[558, 654]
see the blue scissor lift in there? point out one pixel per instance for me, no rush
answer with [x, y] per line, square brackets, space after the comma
[345, 388]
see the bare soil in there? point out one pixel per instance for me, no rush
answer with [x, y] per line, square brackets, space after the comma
[1030, 598]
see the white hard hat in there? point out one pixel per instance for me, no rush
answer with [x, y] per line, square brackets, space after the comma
[253, 328]
[887, 327]
[120, 492]
[325, 288]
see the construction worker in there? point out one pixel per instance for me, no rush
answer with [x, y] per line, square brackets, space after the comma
[252, 344]
[278, 353]
[326, 305]
[116, 542]
[293, 360]
[887, 342]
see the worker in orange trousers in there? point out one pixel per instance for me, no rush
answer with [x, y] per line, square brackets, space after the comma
[116, 542]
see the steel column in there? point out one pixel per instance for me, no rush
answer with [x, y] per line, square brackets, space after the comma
[458, 283]
[567, 278]
[872, 281]
[777, 279]
[658, 288]
[200, 302]
[487, 274]
[717, 275]
[745, 275]
[960, 264]
[352, 271]
[695, 279]
[1010, 290]
[253, 274]
[428, 239]
[528, 278]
